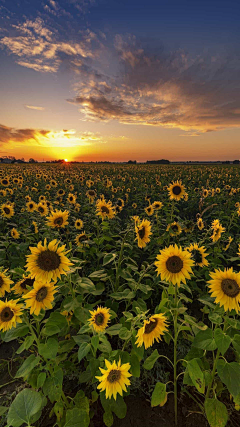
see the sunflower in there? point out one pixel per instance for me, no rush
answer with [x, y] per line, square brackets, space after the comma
[58, 219]
[42, 209]
[31, 206]
[35, 227]
[71, 198]
[174, 265]
[60, 192]
[217, 232]
[78, 224]
[40, 297]
[176, 190]
[15, 234]
[151, 330]
[114, 379]
[7, 210]
[47, 262]
[105, 209]
[143, 231]
[225, 287]
[5, 182]
[157, 206]
[134, 205]
[5, 283]
[99, 318]
[21, 286]
[198, 254]
[149, 210]
[10, 313]
[91, 194]
[174, 229]
[80, 238]
[205, 193]
[230, 239]
[200, 224]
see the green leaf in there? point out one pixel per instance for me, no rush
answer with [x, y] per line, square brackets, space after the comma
[83, 350]
[114, 330]
[86, 284]
[222, 340]
[27, 366]
[196, 375]
[48, 350]
[216, 413]
[109, 258]
[24, 407]
[149, 362]
[159, 394]
[41, 379]
[77, 417]
[26, 344]
[55, 324]
[3, 409]
[19, 331]
[204, 340]
[53, 385]
[126, 294]
[229, 373]
[95, 341]
[124, 334]
[108, 418]
[135, 365]
[236, 342]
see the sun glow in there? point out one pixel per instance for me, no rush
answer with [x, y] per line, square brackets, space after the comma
[66, 160]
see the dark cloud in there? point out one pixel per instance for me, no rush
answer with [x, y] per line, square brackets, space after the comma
[10, 134]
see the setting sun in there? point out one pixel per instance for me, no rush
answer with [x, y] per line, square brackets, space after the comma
[65, 160]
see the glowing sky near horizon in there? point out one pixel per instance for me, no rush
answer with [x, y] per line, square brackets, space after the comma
[120, 79]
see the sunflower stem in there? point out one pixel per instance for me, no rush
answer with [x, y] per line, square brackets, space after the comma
[31, 329]
[214, 367]
[175, 354]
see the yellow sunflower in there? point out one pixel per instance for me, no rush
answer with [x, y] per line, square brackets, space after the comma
[174, 265]
[114, 379]
[217, 232]
[80, 238]
[225, 287]
[78, 224]
[40, 297]
[149, 210]
[104, 209]
[58, 219]
[5, 283]
[99, 318]
[7, 210]
[35, 227]
[174, 229]
[230, 239]
[10, 313]
[91, 194]
[143, 231]
[71, 198]
[152, 330]
[157, 205]
[42, 209]
[31, 206]
[176, 190]
[15, 234]
[198, 254]
[48, 262]
[21, 286]
[200, 224]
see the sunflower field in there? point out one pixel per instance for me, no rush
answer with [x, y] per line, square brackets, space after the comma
[119, 295]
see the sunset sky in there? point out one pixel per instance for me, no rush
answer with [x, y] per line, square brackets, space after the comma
[120, 79]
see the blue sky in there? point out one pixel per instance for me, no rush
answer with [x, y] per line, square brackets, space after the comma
[127, 78]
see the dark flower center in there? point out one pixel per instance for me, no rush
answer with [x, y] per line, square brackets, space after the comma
[83, 237]
[114, 376]
[27, 282]
[99, 319]
[58, 221]
[31, 206]
[197, 256]
[149, 327]
[48, 260]
[41, 294]
[105, 209]
[5, 182]
[6, 314]
[230, 288]
[174, 264]
[40, 209]
[174, 228]
[91, 193]
[6, 210]
[176, 190]
[141, 232]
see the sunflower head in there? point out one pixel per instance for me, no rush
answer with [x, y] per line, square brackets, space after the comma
[21, 286]
[99, 318]
[10, 312]
[198, 254]
[143, 231]
[225, 288]
[40, 297]
[176, 190]
[152, 330]
[174, 265]
[5, 283]
[114, 379]
[58, 219]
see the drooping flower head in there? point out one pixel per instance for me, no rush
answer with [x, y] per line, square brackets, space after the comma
[152, 330]
[198, 254]
[143, 231]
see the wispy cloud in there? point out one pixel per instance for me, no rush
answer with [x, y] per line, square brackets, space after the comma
[32, 107]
